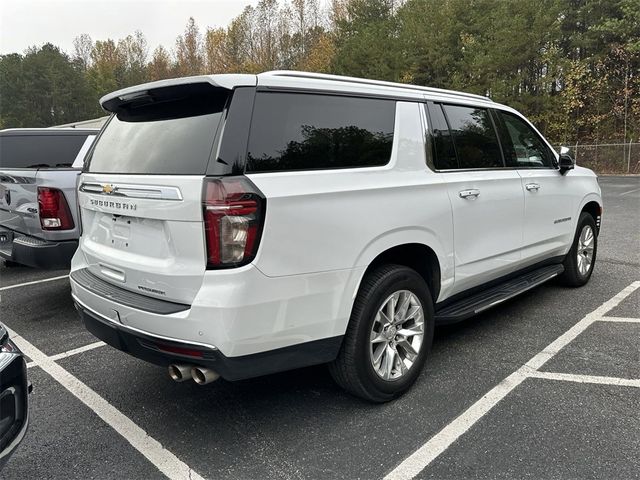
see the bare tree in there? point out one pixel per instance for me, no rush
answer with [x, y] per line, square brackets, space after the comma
[134, 52]
[82, 46]
[189, 56]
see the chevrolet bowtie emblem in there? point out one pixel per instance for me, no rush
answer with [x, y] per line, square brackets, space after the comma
[107, 189]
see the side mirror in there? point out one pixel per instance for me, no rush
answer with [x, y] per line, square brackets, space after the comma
[566, 161]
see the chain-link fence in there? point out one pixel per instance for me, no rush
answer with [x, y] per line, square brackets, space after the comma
[607, 157]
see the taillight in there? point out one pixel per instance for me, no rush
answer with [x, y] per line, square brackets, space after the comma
[54, 210]
[233, 218]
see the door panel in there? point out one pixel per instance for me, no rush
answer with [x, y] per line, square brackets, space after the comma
[548, 199]
[548, 210]
[488, 209]
[486, 198]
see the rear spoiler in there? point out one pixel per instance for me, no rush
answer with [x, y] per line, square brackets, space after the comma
[113, 102]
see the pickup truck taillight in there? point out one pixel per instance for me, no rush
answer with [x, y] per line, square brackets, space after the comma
[233, 217]
[54, 210]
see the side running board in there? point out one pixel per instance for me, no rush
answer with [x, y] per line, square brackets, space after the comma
[479, 302]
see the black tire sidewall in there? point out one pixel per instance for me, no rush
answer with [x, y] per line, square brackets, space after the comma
[400, 278]
[572, 263]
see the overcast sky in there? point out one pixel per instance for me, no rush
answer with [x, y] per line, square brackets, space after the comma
[24, 23]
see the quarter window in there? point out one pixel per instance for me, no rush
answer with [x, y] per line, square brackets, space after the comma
[308, 131]
[474, 137]
[522, 146]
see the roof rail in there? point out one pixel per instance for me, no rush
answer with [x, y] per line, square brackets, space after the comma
[364, 81]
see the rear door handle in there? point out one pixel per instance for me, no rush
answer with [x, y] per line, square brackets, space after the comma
[473, 193]
[532, 186]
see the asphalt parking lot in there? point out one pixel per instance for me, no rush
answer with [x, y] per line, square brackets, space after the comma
[544, 386]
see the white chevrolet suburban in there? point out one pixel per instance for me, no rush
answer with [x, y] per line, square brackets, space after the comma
[240, 225]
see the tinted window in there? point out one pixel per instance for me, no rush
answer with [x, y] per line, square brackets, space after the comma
[39, 151]
[444, 153]
[474, 137]
[303, 132]
[171, 137]
[523, 147]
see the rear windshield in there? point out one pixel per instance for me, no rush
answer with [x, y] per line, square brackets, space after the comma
[173, 137]
[39, 151]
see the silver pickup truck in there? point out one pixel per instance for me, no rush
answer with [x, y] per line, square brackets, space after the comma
[39, 224]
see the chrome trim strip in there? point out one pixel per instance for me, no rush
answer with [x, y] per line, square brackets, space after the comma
[154, 192]
[515, 294]
[133, 329]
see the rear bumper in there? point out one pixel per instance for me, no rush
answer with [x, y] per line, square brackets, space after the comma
[238, 311]
[35, 252]
[164, 351]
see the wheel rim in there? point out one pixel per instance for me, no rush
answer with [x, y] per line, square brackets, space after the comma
[586, 244]
[396, 335]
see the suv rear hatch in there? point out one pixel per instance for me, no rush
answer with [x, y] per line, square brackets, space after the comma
[141, 195]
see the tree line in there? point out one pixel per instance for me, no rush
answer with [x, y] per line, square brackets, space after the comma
[572, 66]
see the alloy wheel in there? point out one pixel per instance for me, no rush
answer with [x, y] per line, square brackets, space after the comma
[396, 335]
[586, 243]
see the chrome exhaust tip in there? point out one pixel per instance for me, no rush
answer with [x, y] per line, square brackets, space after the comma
[180, 373]
[202, 375]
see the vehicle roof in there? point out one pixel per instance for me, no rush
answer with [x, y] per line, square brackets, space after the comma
[48, 131]
[338, 83]
[301, 80]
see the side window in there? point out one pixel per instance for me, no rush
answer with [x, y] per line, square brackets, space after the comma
[291, 131]
[474, 137]
[39, 151]
[444, 153]
[522, 146]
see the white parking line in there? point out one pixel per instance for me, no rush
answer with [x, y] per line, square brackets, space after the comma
[620, 319]
[9, 287]
[570, 377]
[442, 440]
[630, 191]
[70, 353]
[162, 458]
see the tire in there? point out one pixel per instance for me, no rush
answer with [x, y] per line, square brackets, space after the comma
[354, 369]
[575, 274]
